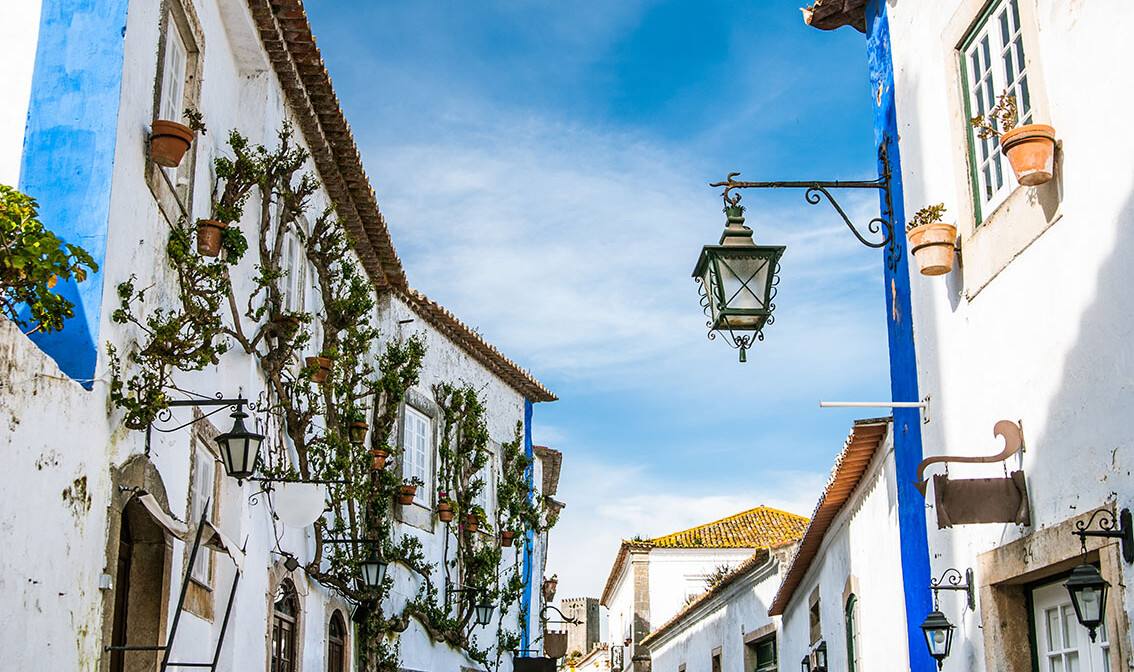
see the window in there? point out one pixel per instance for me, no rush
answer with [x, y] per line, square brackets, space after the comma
[852, 633]
[1062, 645]
[487, 494]
[285, 616]
[417, 456]
[176, 88]
[336, 643]
[761, 654]
[993, 62]
[716, 665]
[816, 627]
[202, 499]
[293, 261]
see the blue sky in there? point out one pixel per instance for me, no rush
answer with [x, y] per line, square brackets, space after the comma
[544, 169]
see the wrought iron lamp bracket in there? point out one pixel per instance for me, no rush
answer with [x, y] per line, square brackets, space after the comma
[165, 414]
[1119, 527]
[566, 619]
[817, 190]
[951, 580]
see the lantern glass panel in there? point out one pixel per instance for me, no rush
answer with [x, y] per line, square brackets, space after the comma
[373, 571]
[484, 613]
[1088, 595]
[805, 664]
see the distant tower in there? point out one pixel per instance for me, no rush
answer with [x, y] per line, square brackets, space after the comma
[584, 636]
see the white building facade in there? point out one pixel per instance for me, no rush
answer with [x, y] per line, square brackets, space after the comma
[105, 515]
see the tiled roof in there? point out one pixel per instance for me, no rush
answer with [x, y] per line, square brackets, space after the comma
[286, 36]
[832, 14]
[758, 559]
[850, 466]
[761, 527]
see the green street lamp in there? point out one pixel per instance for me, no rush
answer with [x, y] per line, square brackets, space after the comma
[938, 633]
[738, 282]
[1088, 596]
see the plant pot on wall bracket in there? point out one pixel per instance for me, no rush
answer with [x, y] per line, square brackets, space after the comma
[378, 460]
[169, 141]
[1031, 151]
[472, 523]
[321, 373]
[445, 512]
[210, 235]
[286, 325]
[406, 494]
[506, 537]
[357, 432]
[933, 245]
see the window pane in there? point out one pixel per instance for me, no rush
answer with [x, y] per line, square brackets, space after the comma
[1070, 627]
[1005, 29]
[1055, 664]
[1071, 661]
[173, 74]
[1054, 641]
[1014, 5]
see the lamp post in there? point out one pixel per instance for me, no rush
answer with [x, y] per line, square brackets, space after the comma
[738, 278]
[1086, 586]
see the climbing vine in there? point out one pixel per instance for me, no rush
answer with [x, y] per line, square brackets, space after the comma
[321, 409]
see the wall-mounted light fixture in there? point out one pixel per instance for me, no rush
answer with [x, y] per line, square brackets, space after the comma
[738, 278]
[482, 608]
[821, 657]
[1087, 587]
[805, 664]
[937, 629]
[372, 569]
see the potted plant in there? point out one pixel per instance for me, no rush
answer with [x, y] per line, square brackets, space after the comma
[408, 490]
[549, 586]
[1030, 148]
[210, 236]
[506, 537]
[321, 368]
[932, 241]
[378, 459]
[445, 511]
[286, 325]
[169, 140]
[474, 518]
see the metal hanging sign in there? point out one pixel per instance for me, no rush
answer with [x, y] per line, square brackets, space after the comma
[981, 500]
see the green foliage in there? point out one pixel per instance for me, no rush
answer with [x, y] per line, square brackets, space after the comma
[194, 120]
[999, 120]
[927, 215]
[32, 260]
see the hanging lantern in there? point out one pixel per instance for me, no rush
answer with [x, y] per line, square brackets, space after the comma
[738, 280]
[373, 570]
[938, 633]
[1088, 596]
[239, 447]
[483, 610]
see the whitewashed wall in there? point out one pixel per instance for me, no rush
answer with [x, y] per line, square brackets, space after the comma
[59, 433]
[722, 621]
[1046, 340]
[863, 543]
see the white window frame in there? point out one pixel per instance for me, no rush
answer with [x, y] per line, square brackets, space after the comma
[486, 499]
[1051, 606]
[175, 72]
[993, 60]
[203, 493]
[417, 451]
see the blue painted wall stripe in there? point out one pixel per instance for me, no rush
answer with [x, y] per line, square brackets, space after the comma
[914, 539]
[68, 156]
[529, 450]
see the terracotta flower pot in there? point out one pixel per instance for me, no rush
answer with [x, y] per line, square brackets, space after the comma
[357, 431]
[406, 494]
[933, 246]
[210, 233]
[506, 537]
[169, 141]
[286, 324]
[324, 364]
[444, 512]
[549, 586]
[1031, 151]
[472, 523]
[378, 459]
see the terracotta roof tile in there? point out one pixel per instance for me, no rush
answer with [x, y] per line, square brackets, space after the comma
[850, 466]
[761, 527]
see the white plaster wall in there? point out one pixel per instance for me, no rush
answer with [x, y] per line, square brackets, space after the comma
[19, 35]
[53, 512]
[672, 570]
[1047, 340]
[862, 542]
[59, 432]
[722, 622]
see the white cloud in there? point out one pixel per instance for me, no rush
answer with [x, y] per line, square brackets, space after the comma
[608, 502]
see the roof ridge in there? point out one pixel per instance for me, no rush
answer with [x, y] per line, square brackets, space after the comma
[723, 520]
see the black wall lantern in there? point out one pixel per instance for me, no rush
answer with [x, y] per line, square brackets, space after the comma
[738, 278]
[937, 629]
[239, 447]
[821, 657]
[1087, 587]
[482, 608]
[805, 664]
[373, 569]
